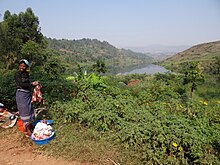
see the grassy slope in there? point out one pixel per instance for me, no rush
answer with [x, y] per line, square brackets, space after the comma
[203, 53]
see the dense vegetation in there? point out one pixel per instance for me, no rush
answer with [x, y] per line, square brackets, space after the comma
[162, 119]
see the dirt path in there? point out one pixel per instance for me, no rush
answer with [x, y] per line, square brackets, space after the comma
[16, 149]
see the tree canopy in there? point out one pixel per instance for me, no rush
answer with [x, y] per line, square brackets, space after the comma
[17, 32]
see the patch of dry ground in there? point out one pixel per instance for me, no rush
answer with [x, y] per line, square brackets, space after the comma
[17, 149]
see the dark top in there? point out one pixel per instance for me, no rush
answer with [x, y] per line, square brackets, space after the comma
[22, 80]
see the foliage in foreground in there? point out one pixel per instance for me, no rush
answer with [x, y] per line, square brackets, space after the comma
[157, 123]
[155, 119]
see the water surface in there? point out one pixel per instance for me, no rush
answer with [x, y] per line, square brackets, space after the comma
[149, 69]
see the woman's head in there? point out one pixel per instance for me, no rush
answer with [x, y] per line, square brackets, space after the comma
[23, 65]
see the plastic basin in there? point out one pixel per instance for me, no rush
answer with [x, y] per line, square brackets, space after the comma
[49, 122]
[43, 141]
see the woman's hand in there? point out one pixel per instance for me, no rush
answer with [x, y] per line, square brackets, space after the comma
[35, 83]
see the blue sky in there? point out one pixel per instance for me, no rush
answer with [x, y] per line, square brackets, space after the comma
[125, 23]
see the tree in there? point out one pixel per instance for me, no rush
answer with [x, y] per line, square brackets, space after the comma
[53, 68]
[33, 52]
[7, 14]
[29, 27]
[193, 76]
[15, 31]
[99, 67]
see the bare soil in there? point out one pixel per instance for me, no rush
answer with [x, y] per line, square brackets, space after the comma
[133, 82]
[15, 148]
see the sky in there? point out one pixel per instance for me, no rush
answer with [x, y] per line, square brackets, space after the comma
[125, 23]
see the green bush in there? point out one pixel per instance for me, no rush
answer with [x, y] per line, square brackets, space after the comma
[154, 121]
[151, 118]
[8, 88]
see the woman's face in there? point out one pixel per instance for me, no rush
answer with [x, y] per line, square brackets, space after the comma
[22, 67]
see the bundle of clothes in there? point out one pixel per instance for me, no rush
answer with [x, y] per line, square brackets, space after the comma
[7, 119]
[42, 131]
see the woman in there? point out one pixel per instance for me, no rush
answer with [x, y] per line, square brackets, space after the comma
[23, 95]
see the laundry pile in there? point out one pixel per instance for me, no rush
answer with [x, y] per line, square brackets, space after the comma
[42, 131]
[7, 119]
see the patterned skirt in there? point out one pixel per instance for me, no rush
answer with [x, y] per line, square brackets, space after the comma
[24, 106]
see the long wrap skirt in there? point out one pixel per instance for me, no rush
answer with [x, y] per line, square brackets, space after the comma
[24, 106]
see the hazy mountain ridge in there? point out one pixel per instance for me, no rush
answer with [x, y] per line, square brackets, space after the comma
[160, 52]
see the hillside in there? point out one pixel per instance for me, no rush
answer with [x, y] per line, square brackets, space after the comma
[87, 51]
[160, 52]
[205, 53]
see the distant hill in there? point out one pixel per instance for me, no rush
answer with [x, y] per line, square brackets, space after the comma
[160, 52]
[87, 51]
[205, 53]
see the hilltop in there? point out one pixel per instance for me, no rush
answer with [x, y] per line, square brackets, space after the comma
[205, 53]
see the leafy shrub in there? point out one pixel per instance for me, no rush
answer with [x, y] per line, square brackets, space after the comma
[153, 121]
[58, 90]
[8, 88]
[168, 138]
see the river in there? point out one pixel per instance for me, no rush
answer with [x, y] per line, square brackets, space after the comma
[149, 69]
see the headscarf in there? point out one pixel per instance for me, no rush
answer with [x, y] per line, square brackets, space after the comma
[24, 61]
